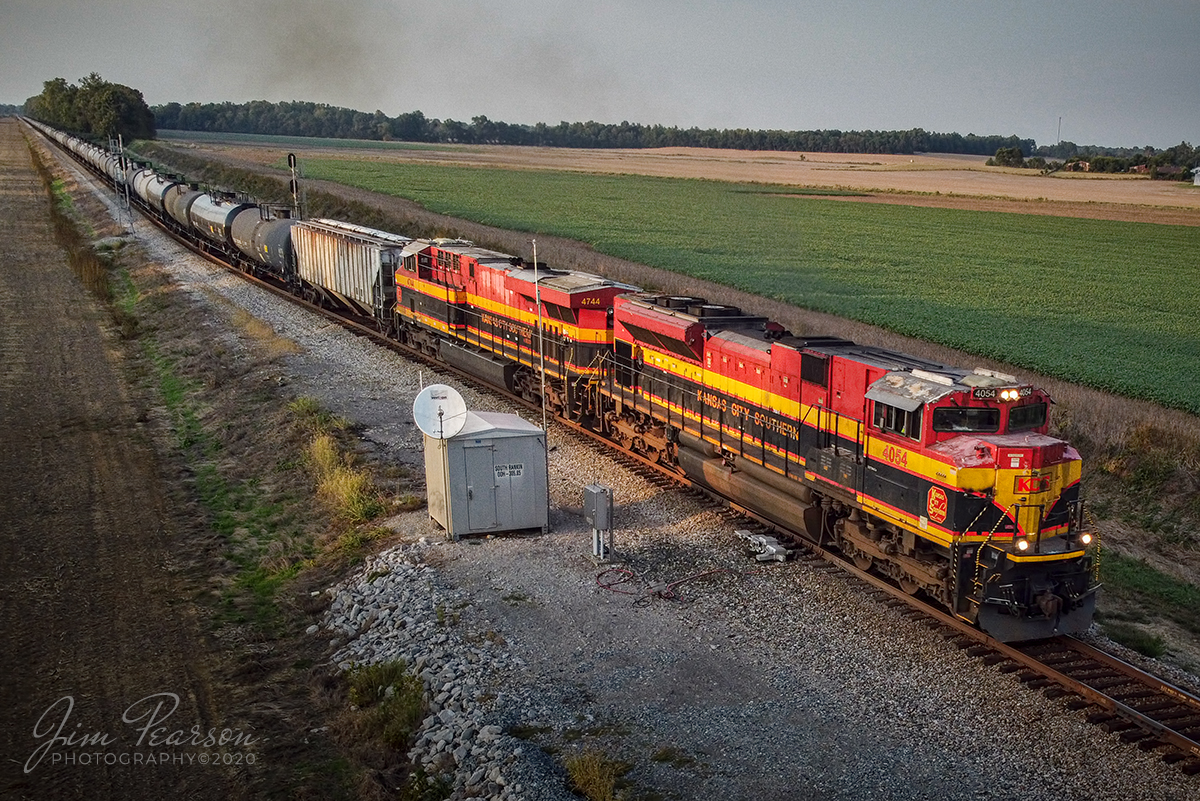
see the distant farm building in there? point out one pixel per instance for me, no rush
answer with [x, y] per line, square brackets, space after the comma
[1166, 171]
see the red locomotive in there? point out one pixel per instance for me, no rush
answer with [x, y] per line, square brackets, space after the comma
[943, 479]
[940, 478]
[478, 309]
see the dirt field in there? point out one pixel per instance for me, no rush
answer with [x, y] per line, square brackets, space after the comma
[90, 608]
[942, 180]
[116, 581]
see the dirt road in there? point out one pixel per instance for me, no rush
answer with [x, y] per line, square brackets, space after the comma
[97, 632]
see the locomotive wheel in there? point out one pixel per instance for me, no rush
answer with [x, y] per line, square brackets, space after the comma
[909, 586]
[862, 561]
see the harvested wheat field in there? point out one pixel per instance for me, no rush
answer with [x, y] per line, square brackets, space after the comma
[929, 179]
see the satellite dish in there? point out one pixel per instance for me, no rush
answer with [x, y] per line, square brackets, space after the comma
[440, 412]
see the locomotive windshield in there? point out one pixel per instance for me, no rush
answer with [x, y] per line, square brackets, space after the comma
[1023, 418]
[955, 418]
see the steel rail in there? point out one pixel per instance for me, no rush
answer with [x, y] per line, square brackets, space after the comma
[1155, 691]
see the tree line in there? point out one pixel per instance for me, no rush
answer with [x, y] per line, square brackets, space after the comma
[99, 108]
[95, 108]
[1176, 162]
[316, 119]
[299, 118]
[1173, 162]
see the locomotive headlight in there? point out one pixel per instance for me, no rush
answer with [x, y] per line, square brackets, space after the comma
[1022, 545]
[1085, 538]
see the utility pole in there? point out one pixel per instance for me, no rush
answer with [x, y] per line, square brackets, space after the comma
[537, 295]
[124, 210]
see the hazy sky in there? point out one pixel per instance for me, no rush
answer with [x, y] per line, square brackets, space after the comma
[1116, 72]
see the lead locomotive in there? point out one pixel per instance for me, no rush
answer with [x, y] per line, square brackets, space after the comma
[943, 479]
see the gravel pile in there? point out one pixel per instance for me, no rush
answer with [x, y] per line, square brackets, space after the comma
[750, 680]
[398, 608]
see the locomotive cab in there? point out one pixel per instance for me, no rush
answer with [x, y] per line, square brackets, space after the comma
[1025, 566]
[944, 480]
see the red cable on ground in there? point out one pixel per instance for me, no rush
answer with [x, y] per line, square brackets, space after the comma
[611, 586]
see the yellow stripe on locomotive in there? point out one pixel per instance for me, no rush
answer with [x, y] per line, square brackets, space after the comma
[942, 478]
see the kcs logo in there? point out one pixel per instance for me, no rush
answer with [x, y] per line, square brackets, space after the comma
[938, 504]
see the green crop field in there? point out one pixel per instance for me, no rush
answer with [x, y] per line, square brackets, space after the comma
[1109, 304]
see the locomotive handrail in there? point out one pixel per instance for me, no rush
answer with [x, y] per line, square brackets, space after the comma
[638, 403]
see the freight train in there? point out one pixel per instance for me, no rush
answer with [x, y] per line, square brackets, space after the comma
[942, 479]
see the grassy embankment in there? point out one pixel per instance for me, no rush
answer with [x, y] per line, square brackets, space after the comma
[258, 465]
[282, 506]
[1053, 294]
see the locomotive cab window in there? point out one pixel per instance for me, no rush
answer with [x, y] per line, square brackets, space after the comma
[1023, 418]
[898, 421]
[966, 419]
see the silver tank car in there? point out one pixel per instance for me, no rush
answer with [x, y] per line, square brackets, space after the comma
[267, 240]
[211, 216]
[241, 229]
[152, 187]
[178, 200]
[273, 241]
[114, 169]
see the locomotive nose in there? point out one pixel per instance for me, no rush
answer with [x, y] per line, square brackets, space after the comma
[1031, 456]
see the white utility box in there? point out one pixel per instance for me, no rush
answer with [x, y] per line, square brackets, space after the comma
[489, 476]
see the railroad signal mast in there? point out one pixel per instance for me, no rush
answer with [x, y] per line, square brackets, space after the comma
[124, 209]
[294, 185]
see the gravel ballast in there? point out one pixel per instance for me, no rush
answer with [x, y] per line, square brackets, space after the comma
[756, 680]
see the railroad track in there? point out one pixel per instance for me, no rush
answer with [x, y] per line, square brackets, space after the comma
[1143, 710]
[1140, 708]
